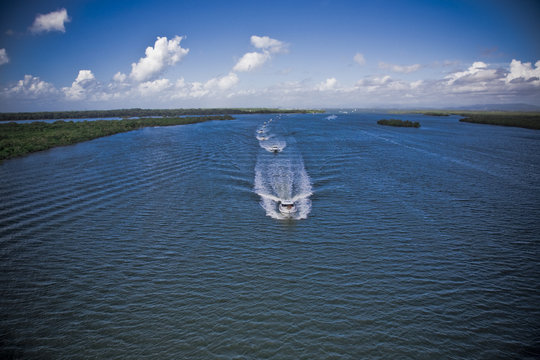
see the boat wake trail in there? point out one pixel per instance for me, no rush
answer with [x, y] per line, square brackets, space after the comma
[282, 177]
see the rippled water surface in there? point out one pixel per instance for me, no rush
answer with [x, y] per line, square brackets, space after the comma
[168, 242]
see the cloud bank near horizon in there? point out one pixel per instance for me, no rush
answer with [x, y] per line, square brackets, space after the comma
[513, 81]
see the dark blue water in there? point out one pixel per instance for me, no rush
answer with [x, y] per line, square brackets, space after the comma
[167, 243]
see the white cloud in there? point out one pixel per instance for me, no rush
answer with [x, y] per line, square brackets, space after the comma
[197, 89]
[180, 83]
[84, 83]
[120, 77]
[3, 57]
[251, 61]
[477, 83]
[523, 72]
[477, 72]
[84, 76]
[374, 81]
[164, 53]
[31, 87]
[385, 86]
[53, 21]
[329, 84]
[152, 87]
[359, 58]
[267, 43]
[416, 84]
[222, 83]
[400, 68]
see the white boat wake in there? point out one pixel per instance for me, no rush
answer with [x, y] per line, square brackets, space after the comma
[282, 177]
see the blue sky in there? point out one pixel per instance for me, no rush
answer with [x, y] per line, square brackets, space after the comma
[62, 55]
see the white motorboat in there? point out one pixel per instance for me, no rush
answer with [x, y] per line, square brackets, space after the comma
[274, 149]
[287, 207]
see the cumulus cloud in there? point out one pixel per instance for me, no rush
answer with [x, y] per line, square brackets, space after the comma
[416, 84]
[329, 84]
[385, 87]
[477, 72]
[3, 57]
[152, 87]
[164, 53]
[53, 21]
[84, 83]
[120, 77]
[359, 59]
[374, 81]
[198, 89]
[268, 44]
[31, 87]
[253, 60]
[222, 83]
[476, 83]
[400, 68]
[523, 72]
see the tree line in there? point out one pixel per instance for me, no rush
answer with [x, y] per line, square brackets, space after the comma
[21, 139]
[400, 123]
[128, 113]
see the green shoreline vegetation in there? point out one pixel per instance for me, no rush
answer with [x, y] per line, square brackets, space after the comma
[527, 120]
[522, 120]
[22, 139]
[398, 123]
[128, 113]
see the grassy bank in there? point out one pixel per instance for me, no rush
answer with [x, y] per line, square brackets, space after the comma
[399, 123]
[21, 139]
[127, 113]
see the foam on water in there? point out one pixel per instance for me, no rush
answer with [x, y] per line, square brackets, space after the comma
[280, 177]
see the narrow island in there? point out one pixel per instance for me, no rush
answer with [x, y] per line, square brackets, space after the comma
[399, 123]
[21, 139]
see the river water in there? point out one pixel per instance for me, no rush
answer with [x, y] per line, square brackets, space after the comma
[168, 243]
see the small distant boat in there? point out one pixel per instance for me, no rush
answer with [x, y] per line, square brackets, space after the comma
[275, 149]
[287, 207]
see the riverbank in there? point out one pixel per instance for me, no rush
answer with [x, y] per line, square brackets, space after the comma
[528, 120]
[129, 113]
[22, 139]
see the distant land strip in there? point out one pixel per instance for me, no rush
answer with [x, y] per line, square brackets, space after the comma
[127, 113]
[527, 120]
[523, 121]
[21, 139]
[398, 123]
